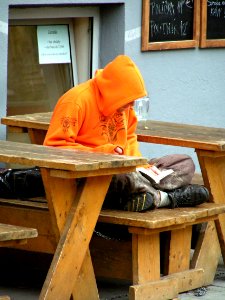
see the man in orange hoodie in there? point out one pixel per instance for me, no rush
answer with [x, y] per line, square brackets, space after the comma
[98, 116]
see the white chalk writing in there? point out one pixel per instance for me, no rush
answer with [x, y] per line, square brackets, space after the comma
[168, 28]
[169, 8]
[171, 18]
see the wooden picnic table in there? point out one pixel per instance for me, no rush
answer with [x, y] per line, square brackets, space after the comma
[73, 210]
[208, 142]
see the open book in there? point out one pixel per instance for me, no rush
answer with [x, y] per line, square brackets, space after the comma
[154, 173]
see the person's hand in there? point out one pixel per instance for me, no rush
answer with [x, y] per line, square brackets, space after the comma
[118, 150]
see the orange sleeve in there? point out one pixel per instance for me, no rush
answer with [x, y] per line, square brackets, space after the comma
[132, 143]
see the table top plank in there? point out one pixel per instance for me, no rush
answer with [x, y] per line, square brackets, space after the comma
[150, 131]
[184, 135]
[35, 120]
[64, 159]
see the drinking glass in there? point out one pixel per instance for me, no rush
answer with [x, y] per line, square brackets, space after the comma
[141, 107]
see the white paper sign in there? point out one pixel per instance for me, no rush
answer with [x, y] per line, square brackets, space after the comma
[53, 44]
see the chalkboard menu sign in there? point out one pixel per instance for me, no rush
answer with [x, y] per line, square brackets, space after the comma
[216, 20]
[169, 24]
[171, 20]
[213, 24]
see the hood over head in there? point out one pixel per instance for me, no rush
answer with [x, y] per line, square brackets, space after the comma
[119, 83]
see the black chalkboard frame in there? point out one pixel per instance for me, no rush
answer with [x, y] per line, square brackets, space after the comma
[204, 42]
[147, 45]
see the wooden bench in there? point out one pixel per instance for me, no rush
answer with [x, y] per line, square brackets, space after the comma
[136, 259]
[178, 270]
[11, 236]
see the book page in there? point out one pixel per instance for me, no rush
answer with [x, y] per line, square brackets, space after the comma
[154, 173]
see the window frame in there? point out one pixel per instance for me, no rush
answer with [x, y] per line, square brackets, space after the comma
[62, 15]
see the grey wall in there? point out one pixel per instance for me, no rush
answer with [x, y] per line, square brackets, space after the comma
[3, 61]
[112, 32]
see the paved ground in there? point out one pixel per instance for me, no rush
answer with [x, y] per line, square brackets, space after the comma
[112, 291]
[21, 282]
[216, 291]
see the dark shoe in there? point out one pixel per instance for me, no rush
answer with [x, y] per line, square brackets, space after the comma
[140, 202]
[188, 196]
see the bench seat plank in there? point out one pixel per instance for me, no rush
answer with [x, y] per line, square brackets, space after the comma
[162, 217]
[151, 219]
[11, 232]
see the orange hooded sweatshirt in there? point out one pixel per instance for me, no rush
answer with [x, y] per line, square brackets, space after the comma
[86, 117]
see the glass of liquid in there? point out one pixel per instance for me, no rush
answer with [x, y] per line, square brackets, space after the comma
[141, 107]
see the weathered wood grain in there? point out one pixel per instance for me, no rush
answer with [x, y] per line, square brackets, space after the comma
[11, 232]
[162, 217]
[64, 159]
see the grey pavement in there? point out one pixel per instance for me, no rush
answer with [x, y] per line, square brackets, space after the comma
[23, 280]
[216, 291]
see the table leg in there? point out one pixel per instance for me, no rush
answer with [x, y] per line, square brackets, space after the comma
[145, 257]
[179, 252]
[207, 253]
[75, 236]
[55, 194]
[36, 136]
[213, 171]
[86, 283]
[60, 194]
